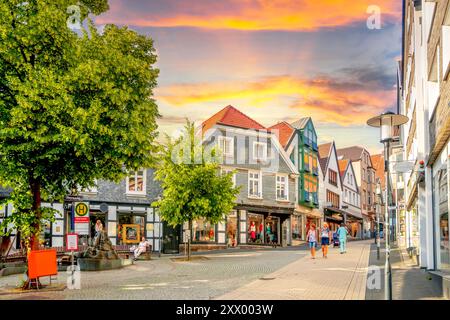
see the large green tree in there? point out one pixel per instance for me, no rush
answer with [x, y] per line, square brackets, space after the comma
[193, 186]
[75, 105]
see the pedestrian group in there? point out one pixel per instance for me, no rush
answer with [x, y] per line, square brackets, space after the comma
[325, 236]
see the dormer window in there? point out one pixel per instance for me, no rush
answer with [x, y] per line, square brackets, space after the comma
[259, 151]
[226, 145]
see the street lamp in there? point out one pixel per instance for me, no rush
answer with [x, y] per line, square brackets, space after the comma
[387, 122]
[380, 203]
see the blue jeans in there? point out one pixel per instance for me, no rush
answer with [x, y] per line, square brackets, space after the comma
[343, 245]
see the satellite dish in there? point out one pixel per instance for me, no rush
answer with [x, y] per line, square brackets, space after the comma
[403, 166]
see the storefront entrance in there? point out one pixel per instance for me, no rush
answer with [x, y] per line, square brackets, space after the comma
[93, 217]
[272, 230]
[172, 236]
[255, 223]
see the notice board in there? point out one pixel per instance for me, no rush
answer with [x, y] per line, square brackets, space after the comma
[42, 263]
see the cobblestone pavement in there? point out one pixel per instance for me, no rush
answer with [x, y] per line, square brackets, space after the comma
[281, 273]
[162, 278]
[339, 277]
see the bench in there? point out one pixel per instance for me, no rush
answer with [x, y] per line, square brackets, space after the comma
[124, 251]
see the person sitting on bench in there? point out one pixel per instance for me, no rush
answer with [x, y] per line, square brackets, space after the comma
[142, 247]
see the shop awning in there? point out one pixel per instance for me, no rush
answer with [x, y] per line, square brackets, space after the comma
[315, 214]
[309, 212]
[354, 215]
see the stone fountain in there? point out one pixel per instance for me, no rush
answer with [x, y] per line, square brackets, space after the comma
[101, 255]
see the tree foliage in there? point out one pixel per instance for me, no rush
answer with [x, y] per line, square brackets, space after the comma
[193, 186]
[74, 107]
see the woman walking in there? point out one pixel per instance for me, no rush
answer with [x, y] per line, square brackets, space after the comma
[325, 239]
[312, 240]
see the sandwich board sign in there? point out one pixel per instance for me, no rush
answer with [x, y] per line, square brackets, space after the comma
[81, 210]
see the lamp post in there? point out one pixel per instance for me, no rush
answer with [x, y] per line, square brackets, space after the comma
[380, 203]
[387, 122]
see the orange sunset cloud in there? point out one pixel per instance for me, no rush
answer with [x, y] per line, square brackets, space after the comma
[297, 15]
[327, 100]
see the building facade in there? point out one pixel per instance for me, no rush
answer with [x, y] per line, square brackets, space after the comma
[330, 186]
[424, 95]
[365, 177]
[299, 140]
[125, 210]
[351, 199]
[265, 175]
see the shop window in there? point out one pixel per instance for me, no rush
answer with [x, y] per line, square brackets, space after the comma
[136, 182]
[46, 235]
[226, 145]
[131, 229]
[271, 228]
[442, 210]
[282, 187]
[203, 231]
[255, 224]
[232, 229]
[255, 184]
[296, 227]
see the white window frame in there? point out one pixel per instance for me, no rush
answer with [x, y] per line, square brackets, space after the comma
[226, 170]
[286, 186]
[144, 183]
[250, 180]
[221, 142]
[258, 143]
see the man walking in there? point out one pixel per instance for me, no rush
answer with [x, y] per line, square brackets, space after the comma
[342, 234]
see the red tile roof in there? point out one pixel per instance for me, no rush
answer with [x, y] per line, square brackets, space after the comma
[342, 166]
[378, 165]
[285, 131]
[230, 116]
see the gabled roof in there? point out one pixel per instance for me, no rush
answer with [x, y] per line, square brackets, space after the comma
[230, 116]
[378, 165]
[352, 153]
[285, 132]
[324, 154]
[343, 166]
[301, 123]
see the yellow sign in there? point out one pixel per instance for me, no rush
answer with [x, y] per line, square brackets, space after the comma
[81, 209]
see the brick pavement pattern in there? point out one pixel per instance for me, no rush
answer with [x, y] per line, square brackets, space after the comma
[339, 277]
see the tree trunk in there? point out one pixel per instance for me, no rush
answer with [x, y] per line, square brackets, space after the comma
[189, 240]
[36, 192]
[34, 241]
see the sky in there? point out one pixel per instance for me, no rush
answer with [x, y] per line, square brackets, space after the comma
[275, 60]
